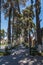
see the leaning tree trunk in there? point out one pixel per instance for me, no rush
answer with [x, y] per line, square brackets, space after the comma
[39, 41]
[9, 29]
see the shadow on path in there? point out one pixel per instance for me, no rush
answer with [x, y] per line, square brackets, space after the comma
[20, 56]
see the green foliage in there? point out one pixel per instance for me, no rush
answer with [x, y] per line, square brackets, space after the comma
[2, 34]
[1, 53]
[34, 51]
[4, 53]
[23, 20]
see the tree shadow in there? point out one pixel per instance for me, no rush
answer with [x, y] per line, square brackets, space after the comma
[21, 57]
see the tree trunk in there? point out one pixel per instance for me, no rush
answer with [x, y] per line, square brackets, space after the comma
[29, 43]
[39, 41]
[9, 29]
[18, 6]
[13, 25]
[32, 8]
[0, 22]
[31, 4]
[38, 25]
[0, 31]
[17, 20]
[25, 35]
[13, 28]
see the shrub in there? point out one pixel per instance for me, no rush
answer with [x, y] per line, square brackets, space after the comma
[34, 51]
[7, 51]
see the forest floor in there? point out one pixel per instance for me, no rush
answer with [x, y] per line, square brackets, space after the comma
[20, 56]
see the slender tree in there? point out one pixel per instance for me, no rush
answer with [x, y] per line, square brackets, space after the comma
[32, 7]
[9, 27]
[38, 10]
[0, 21]
[7, 8]
[29, 31]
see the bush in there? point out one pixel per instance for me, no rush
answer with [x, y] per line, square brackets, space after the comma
[34, 51]
[4, 53]
[14, 47]
[39, 54]
[1, 53]
[7, 51]
[26, 46]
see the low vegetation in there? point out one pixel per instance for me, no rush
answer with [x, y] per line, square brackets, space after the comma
[4, 53]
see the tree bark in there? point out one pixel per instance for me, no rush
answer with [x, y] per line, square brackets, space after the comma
[38, 30]
[39, 41]
[9, 27]
[18, 6]
[29, 43]
[25, 35]
[13, 25]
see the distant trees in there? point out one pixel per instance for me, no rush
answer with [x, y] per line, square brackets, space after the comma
[8, 6]
[18, 3]
[24, 20]
[2, 33]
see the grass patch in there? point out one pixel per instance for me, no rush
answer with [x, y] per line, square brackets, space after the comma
[4, 53]
[3, 44]
[1, 53]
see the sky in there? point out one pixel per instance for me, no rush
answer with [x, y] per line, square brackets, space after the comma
[4, 23]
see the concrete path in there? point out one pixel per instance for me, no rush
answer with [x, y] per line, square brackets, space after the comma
[20, 56]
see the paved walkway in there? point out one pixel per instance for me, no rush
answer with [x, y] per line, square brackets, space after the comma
[20, 56]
